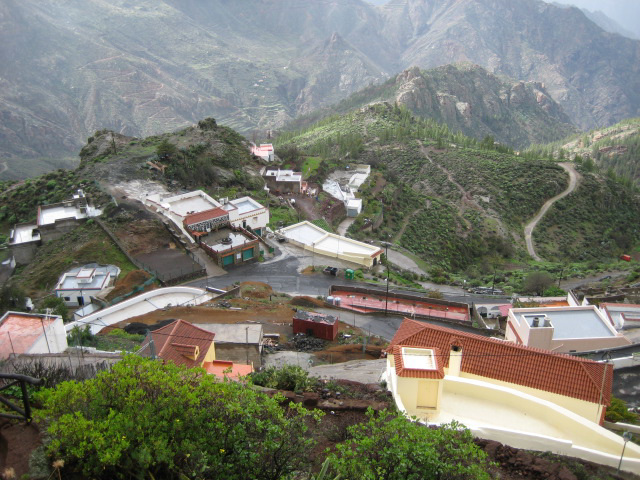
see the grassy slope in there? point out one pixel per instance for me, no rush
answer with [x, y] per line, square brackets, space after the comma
[454, 199]
[213, 158]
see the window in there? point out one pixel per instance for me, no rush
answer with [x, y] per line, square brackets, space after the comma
[67, 299]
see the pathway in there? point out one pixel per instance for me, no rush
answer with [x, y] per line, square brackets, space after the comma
[528, 230]
[344, 225]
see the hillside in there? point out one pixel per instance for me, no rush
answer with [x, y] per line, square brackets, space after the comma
[144, 67]
[456, 201]
[614, 150]
[210, 157]
[467, 99]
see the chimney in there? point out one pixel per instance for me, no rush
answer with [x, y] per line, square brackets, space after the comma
[455, 360]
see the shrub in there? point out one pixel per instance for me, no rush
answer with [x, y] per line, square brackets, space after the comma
[391, 447]
[287, 377]
[144, 419]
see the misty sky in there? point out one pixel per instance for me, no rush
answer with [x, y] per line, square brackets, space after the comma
[625, 12]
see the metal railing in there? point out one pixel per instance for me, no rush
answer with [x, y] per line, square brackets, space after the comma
[24, 413]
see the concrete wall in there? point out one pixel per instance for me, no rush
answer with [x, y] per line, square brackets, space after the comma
[237, 353]
[144, 303]
[59, 228]
[24, 253]
[55, 340]
[588, 410]
[584, 439]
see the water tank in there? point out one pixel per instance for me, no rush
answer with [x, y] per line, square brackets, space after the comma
[330, 300]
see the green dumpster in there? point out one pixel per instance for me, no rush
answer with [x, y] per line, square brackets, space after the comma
[349, 274]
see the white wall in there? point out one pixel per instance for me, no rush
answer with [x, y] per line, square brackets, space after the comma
[55, 340]
[141, 304]
[74, 294]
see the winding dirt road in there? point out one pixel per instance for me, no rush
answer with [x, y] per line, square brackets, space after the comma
[528, 230]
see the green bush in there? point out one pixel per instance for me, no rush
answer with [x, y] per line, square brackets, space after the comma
[391, 447]
[287, 377]
[144, 419]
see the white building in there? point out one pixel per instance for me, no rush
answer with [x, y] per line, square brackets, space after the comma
[318, 241]
[31, 333]
[77, 287]
[563, 329]
[198, 211]
[264, 151]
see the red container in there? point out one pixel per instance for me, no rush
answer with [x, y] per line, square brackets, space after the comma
[626, 258]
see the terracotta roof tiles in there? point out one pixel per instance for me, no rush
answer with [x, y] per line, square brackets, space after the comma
[504, 361]
[203, 216]
[180, 340]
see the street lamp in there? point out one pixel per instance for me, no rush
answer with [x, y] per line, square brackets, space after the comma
[626, 436]
[386, 257]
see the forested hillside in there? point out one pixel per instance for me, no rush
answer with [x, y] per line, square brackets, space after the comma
[457, 201]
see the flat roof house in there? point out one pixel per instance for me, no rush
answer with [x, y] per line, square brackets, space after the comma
[197, 211]
[78, 286]
[285, 181]
[521, 396]
[31, 333]
[318, 241]
[563, 329]
[237, 342]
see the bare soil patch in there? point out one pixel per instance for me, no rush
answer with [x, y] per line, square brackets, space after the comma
[346, 353]
[129, 282]
[17, 441]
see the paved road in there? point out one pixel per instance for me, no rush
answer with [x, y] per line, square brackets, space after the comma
[528, 230]
[283, 276]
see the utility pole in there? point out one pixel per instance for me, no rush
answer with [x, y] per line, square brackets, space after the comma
[386, 257]
[246, 331]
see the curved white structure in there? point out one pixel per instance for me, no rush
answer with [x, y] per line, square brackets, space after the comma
[145, 303]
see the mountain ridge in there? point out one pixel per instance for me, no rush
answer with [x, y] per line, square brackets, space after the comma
[142, 67]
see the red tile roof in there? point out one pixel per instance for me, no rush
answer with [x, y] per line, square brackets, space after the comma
[403, 371]
[203, 216]
[181, 340]
[504, 361]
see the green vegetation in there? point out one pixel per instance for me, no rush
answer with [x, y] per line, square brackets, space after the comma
[457, 202]
[144, 419]
[309, 166]
[390, 447]
[322, 223]
[116, 339]
[619, 412]
[612, 151]
[288, 377]
[85, 244]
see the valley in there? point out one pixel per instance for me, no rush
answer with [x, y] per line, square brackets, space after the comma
[259, 236]
[67, 71]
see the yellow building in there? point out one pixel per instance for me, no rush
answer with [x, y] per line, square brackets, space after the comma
[521, 396]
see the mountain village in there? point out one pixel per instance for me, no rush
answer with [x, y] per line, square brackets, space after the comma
[535, 377]
[320, 240]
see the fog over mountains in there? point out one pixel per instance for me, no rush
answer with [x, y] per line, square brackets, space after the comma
[146, 66]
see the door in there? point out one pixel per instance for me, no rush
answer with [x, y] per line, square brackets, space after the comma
[247, 254]
[228, 260]
[427, 394]
[81, 301]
